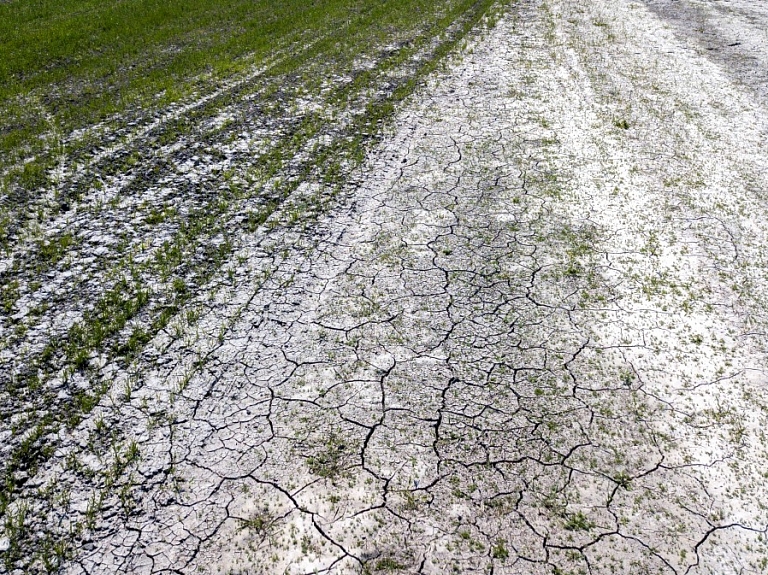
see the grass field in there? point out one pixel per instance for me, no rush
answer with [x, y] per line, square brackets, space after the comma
[69, 65]
[101, 107]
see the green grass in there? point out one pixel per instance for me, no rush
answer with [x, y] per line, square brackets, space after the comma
[81, 60]
[68, 65]
[389, 564]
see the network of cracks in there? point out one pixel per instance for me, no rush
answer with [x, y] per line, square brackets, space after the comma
[531, 340]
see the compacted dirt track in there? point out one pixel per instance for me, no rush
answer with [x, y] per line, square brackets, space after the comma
[530, 339]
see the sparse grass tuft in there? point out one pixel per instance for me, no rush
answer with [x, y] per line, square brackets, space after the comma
[389, 564]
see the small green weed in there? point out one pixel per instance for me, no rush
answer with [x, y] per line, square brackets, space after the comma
[578, 522]
[500, 550]
[622, 124]
[389, 564]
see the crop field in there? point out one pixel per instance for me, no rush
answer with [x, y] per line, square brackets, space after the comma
[404, 286]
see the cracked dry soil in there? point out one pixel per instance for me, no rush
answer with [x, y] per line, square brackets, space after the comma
[533, 340]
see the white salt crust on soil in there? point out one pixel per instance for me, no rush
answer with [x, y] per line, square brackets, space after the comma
[532, 341]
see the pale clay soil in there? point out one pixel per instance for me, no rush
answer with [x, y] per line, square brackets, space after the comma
[532, 340]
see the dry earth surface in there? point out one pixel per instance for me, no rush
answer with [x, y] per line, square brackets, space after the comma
[530, 337]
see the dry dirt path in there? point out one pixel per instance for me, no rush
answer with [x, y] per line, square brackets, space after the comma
[532, 341]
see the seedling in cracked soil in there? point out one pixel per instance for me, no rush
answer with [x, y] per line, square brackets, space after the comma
[578, 522]
[329, 462]
[500, 550]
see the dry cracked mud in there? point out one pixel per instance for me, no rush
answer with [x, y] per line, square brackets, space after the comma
[529, 337]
